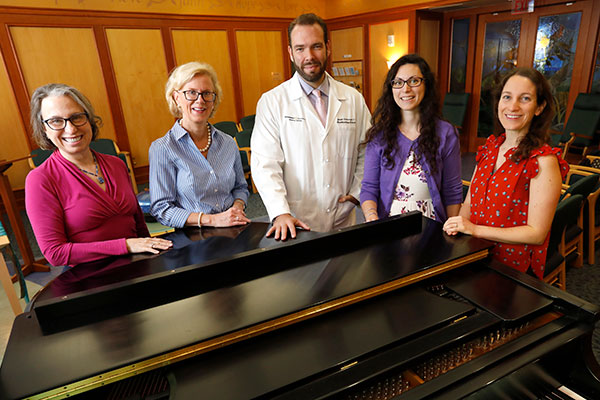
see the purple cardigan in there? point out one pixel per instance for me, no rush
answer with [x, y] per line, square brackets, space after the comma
[445, 186]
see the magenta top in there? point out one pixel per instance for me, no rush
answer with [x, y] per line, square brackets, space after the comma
[73, 219]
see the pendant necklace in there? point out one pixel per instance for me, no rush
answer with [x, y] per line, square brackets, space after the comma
[97, 174]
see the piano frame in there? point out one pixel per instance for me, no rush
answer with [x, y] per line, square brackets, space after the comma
[148, 302]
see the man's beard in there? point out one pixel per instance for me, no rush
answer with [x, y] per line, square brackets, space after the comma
[313, 77]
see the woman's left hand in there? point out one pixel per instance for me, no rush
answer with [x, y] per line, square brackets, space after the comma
[147, 244]
[453, 225]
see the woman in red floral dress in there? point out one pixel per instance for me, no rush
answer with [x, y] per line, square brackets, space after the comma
[516, 185]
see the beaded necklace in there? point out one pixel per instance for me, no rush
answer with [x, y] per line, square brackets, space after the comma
[205, 148]
[97, 174]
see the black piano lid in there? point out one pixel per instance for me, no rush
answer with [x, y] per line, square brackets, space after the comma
[268, 364]
[498, 294]
[138, 285]
[215, 309]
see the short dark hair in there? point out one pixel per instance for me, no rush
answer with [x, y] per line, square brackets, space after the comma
[307, 19]
[538, 130]
[57, 90]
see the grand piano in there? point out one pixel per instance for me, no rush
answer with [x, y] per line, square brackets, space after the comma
[389, 309]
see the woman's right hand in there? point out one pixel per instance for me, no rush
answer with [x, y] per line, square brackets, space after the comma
[232, 217]
[147, 245]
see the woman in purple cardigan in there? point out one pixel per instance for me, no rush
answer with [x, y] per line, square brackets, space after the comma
[412, 159]
[80, 203]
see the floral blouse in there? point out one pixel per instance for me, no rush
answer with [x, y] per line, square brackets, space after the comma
[501, 199]
[412, 192]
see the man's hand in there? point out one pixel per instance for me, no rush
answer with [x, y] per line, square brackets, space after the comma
[349, 198]
[282, 223]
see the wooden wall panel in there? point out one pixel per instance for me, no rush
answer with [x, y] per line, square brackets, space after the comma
[347, 44]
[261, 64]
[429, 38]
[381, 53]
[210, 47]
[13, 141]
[141, 73]
[64, 55]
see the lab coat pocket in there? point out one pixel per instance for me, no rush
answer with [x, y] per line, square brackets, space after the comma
[346, 142]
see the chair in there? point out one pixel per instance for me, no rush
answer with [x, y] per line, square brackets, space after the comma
[108, 146]
[591, 210]
[247, 122]
[454, 108]
[243, 141]
[579, 184]
[229, 127]
[567, 212]
[105, 146]
[574, 236]
[38, 157]
[5, 277]
[465, 189]
[580, 129]
[243, 138]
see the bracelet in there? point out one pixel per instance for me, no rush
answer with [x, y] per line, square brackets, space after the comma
[371, 213]
[200, 219]
[240, 201]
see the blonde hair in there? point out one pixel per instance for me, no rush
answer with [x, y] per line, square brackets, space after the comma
[185, 73]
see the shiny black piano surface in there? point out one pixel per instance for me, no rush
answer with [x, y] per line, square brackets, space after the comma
[231, 314]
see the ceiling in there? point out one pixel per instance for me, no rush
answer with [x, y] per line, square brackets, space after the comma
[468, 4]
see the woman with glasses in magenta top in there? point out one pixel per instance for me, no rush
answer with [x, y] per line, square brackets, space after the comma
[196, 174]
[412, 158]
[81, 204]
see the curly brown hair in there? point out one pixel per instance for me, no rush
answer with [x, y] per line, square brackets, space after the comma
[538, 134]
[387, 116]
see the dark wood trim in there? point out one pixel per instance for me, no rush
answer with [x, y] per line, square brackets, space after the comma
[169, 48]
[471, 54]
[367, 89]
[235, 73]
[413, 32]
[112, 89]
[287, 64]
[31, 15]
[16, 81]
[592, 53]
[445, 55]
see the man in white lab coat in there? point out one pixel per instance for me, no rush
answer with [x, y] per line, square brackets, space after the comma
[306, 160]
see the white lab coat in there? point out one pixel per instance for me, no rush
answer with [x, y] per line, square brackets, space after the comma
[301, 167]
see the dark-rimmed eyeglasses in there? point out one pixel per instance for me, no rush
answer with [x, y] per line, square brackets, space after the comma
[192, 95]
[58, 123]
[413, 81]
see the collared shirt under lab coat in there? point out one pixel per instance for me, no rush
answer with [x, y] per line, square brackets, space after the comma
[301, 167]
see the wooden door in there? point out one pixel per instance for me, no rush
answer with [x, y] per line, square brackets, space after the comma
[548, 39]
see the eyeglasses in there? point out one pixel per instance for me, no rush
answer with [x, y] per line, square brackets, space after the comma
[413, 81]
[58, 123]
[192, 95]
